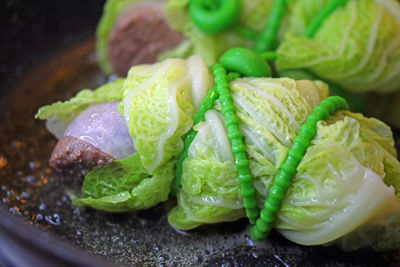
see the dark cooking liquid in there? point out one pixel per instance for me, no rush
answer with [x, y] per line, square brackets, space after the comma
[32, 190]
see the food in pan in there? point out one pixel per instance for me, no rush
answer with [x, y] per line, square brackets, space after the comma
[344, 189]
[175, 18]
[229, 141]
[352, 45]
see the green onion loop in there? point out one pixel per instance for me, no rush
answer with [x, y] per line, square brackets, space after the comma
[317, 21]
[246, 62]
[236, 138]
[267, 37]
[282, 181]
[214, 17]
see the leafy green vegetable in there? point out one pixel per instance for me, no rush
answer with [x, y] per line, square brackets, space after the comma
[357, 47]
[346, 188]
[211, 47]
[356, 101]
[157, 108]
[158, 111]
[60, 114]
[351, 159]
[125, 185]
[270, 112]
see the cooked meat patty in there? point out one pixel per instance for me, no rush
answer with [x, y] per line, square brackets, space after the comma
[72, 153]
[139, 35]
[97, 136]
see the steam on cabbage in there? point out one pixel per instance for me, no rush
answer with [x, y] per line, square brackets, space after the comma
[349, 179]
[357, 47]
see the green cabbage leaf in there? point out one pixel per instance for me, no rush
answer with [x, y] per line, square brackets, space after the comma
[270, 112]
[157, 106]
[125, 185]
[357, 46]
[158, 110]
[351, 159]
[157, 102]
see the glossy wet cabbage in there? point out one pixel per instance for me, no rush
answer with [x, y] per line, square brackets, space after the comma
[351, 159]
[357, 46]
[125, 185]
[345, 190]
[157, 102]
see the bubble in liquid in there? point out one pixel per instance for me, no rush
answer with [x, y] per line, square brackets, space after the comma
[54, 219]
[42, 206]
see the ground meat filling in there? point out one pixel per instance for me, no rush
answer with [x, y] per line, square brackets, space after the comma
[139, 35]
[72, 153]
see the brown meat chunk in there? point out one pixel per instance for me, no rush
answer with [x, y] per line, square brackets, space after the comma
[139, 35]
[72, 153]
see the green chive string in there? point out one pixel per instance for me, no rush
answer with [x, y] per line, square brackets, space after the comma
[268, 36]
[236, 138]
[206, 104]
[262, 221]
[282, 181]
[240, 60]
[317, 21]
[269, 55]
[246, 32]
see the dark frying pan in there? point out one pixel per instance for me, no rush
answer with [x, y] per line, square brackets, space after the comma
[47, 54]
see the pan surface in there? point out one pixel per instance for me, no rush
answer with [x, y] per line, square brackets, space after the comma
[31, 190]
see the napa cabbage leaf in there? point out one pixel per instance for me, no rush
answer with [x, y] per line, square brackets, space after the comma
[348, 181]
[125, 185]
[357, 47]
[157, 102]
[158, 110]
[270, 112]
